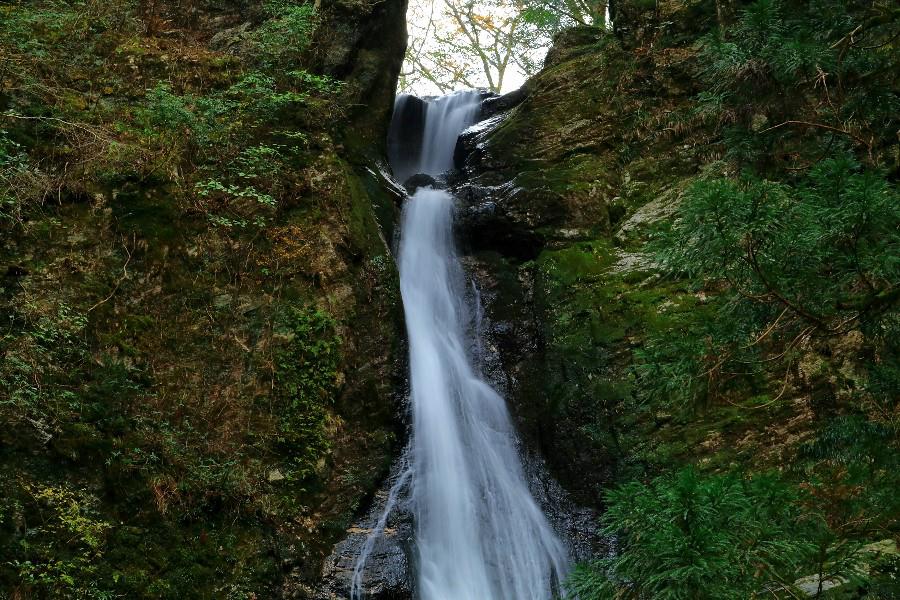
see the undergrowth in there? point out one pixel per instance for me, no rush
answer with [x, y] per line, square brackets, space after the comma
[785, 241]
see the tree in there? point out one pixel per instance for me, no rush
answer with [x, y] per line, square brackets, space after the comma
[559, 14]
[793, 262]
[473, 44]
[798, 243]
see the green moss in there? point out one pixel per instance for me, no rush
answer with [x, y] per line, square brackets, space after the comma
[306, 371]
[155, 355]
[364, 230]
[578, 263]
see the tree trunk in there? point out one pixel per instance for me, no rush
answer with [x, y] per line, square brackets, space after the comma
[598, 13]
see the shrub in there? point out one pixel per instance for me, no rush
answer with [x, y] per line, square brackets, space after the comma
[823, 248]
[689, 535]
[63, 549]
[281, 41]
[763, 70]
[13, 162]
[21, 183]
[39, 359]
[814, 256]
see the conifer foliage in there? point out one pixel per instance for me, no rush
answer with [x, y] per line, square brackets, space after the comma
[790, 239]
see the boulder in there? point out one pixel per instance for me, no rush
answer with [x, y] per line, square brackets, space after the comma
[421, 180]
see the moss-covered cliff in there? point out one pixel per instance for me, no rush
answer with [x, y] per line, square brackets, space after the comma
[653, 318]
[684, 231]
[200, 316]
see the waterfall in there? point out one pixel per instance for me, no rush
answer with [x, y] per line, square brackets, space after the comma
[480, 535]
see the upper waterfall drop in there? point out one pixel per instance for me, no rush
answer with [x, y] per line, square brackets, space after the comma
[480, 535]
[423, 133]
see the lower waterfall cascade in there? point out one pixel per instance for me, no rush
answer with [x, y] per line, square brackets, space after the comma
[479, 533]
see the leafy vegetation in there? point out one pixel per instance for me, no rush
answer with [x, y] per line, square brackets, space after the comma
[789, 79]
[178, 126]
[768, 304]
[70, 571]
[797, 251]
[168, 184]
[699, 536]
[280, 41]
[796, 261]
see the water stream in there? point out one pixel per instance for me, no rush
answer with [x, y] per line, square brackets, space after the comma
[480, 535]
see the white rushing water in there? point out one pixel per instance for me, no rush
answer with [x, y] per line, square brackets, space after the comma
[480, 535]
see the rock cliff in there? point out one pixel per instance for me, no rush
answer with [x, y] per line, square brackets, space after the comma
[201, 333]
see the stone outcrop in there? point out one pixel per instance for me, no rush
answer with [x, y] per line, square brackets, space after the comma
[193, 328]
[544, 197]
[363, 43]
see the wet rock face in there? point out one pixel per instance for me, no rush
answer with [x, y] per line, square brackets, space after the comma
[487, 220]
[509, 337]
[555, 189]
[532, 372]
[493, 105]
[538, 175]
[421, 180]
[387, 574]
[363, 44]
[404, 142]
[531, 171]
